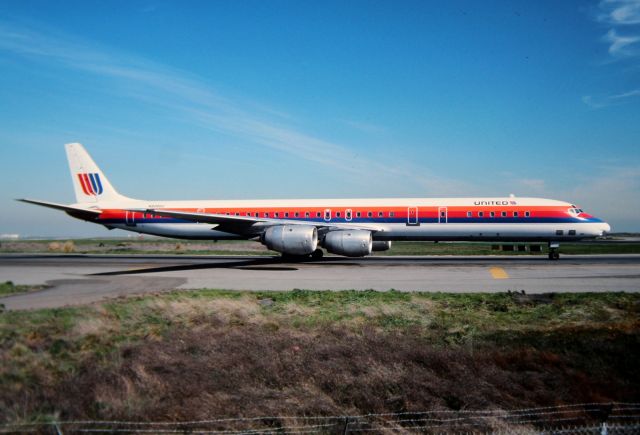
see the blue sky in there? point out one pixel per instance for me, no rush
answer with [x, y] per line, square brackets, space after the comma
[279, 99]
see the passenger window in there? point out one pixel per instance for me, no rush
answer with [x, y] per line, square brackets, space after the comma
[266, 214]
[296, 214]
[527, 213]
[276, 214]
[337, 214]
[469, 214]
[572, 232]
[306, 214]
[480, 214]
[369, 214]
[237, 213]
[347, 215]
[358, 214]
[515, 214]
[327, 215]
[318, 214]
[380, 214]
[392, 214]
[286, 214]
[503, 214]
[492, 214]
[559, 232]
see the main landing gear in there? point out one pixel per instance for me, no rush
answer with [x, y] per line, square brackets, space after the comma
[554, 250]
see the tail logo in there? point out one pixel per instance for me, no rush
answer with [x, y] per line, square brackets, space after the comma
[91, 184]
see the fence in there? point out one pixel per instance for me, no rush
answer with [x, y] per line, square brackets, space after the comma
[584, 418]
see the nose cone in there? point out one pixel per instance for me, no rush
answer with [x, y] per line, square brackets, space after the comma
[605, 228]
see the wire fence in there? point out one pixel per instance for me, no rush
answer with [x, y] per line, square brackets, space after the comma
[584, 418]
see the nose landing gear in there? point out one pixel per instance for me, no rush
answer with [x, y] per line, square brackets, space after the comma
[554, 250]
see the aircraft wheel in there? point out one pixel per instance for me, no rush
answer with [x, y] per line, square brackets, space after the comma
[317, 254]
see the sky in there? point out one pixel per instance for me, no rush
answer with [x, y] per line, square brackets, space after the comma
[320, 99]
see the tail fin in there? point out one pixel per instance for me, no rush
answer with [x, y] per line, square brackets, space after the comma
[89, 183]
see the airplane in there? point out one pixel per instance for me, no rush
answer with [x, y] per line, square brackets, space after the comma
[300, 228]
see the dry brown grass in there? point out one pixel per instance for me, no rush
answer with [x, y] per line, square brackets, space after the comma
[252, 370]
[189, 356]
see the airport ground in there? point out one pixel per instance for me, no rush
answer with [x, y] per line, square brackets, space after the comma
[63, 279]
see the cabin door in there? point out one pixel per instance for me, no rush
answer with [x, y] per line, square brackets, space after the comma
[412, 216]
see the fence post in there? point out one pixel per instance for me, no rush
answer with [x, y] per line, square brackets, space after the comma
[346, 426]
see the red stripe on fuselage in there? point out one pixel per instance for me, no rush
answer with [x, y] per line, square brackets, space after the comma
[431, 212]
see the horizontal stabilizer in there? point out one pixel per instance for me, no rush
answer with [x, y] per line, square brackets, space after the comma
[75, 211]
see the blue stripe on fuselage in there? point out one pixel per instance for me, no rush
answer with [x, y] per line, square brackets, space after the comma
[494, 220]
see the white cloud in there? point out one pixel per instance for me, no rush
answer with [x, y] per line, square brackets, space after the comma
[620, 12]
[197, 102]
[622, 45]
[610, 100]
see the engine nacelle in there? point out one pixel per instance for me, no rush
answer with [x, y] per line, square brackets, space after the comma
[291, 239]
[356, 243]
[380, 245]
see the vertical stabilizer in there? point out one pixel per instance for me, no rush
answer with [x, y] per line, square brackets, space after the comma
[89, 183]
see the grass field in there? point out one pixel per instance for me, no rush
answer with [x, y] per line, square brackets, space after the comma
[203, 353]
[169, 246]
[8, 288]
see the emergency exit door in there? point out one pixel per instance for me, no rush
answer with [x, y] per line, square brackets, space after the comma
[442, 215]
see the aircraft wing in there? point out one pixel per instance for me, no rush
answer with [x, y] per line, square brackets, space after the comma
[249, 224]
[82, 213]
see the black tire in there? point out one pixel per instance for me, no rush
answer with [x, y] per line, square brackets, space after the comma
[317, 254]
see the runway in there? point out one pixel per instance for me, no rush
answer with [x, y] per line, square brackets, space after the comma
[81, 279]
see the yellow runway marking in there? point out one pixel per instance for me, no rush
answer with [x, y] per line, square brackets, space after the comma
[498, 273]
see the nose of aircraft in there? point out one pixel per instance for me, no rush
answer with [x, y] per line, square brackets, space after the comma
[605, 228]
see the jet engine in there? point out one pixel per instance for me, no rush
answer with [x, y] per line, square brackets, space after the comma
[356, 243]
[291, 239]
[380, 245]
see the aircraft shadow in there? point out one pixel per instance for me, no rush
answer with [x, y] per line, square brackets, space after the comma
[268, 264]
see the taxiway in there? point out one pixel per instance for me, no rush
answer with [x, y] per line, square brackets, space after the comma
[80, 279]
